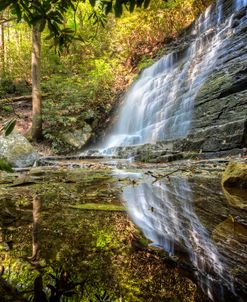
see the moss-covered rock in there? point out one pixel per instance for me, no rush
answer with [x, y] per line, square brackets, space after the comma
[77, 138]
[235, 175]
[99, 207]
[16, 149]
[236, 197]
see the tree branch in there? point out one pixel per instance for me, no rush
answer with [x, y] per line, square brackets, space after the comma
[159, 176]
[19, 98]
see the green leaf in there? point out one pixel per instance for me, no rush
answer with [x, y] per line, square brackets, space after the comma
[5, 166]
[79, 38]
[49, 37]
[59, 15]
[68, 30]
[53, 28]
[102, 22]
[9, 127]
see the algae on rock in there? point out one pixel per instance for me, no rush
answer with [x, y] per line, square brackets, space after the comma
[235, 175]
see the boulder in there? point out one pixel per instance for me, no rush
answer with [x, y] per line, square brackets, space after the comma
[77, 138]
[235, 175]
[17, 150]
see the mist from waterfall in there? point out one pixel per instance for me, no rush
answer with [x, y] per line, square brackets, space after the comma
[159, 105]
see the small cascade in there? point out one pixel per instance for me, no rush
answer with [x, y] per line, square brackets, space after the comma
[165, 213]
[159, 105]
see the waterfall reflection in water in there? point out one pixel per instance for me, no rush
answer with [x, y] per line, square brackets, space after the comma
[165, 214]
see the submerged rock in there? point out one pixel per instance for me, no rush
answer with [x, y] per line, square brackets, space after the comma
[17, 150]
[235, 175]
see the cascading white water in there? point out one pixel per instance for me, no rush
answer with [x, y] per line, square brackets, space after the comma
[159, 105]
[165, 213]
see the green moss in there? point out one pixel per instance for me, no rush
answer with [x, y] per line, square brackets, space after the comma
[214, 83]
[145, 63]
[144, 242]
[236, 197]
[99, 207]
[235, 175]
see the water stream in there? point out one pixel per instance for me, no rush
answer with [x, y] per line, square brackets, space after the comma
[159, 105]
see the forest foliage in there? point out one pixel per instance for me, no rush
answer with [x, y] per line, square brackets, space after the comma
[83, 80]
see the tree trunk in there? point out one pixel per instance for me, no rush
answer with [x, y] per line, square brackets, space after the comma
[2, 48]
[36, 92]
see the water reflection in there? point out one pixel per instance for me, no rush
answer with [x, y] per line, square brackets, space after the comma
[167, 216]
[49, 246]
[36, 227]
[105, 248]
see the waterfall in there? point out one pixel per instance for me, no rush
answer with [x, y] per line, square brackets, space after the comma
[159, 105]
[165, 213]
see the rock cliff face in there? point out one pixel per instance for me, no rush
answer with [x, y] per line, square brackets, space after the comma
[219, 120]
